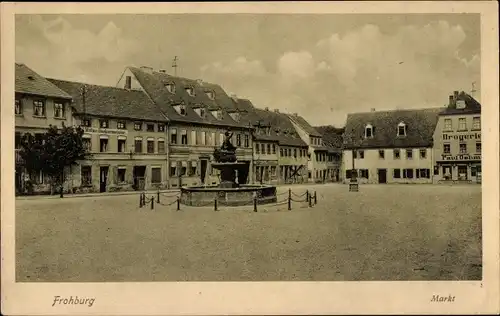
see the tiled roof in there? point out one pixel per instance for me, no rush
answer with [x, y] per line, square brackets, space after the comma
[110, 101]
[299, 120]
[154, 85]
[471, 106]
[332, 137]
[29, 82]
[420, 125]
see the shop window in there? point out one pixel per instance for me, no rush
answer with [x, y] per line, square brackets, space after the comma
[155, 175]
[121, 175]
[86, 174]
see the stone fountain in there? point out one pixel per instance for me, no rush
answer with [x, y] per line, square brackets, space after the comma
[232, 189]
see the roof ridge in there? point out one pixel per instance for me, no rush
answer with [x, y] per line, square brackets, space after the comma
[399, 110]
[92, 84]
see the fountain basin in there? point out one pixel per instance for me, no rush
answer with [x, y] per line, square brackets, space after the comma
[228, 196]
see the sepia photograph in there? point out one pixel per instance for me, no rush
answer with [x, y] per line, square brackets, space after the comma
[262, 148]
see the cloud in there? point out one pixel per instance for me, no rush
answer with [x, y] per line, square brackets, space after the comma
[237, 67]
[410, 67]
[64, 50]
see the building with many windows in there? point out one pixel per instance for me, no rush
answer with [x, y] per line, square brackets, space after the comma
[126, 136]
[457, 140]
[199, 117]
[390, 146]
[332, 140]
[38, 104]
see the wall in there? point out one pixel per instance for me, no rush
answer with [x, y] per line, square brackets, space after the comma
[372, 162]
[27, 122]
[135, 85]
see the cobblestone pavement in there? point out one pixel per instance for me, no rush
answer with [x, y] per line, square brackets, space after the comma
[383, 232]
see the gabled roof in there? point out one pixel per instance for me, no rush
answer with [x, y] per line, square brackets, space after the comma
[110, 101]
[302, 123]
[29, 82]
[471, 105]
[332, 137]
[420, 126]
[154, 85]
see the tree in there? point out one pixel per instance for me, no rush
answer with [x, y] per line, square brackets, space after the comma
[31, 156]
[57, 149]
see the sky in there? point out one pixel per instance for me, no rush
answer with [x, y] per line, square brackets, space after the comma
[321, 66]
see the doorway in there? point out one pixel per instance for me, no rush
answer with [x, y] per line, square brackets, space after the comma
[382, 175]
[139, 175]
[103, 178]
[203, 170]
[447, 172]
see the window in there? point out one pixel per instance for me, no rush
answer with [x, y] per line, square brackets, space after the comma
[38, 108]
[170, 87]
[212, 139]
[355, 154]
[138, 146]
[150, 127]
[476, 123]
[462, 124]
[238, 140]
[18, 110]
[401, 129]
[294, 152]
[173, 169]
[361, 154]
[120, 176]
[408, 173]
[203, 138]
[173, 136]
[17, 140]
[194, 138]
[447, 125]
[86, 122]
[268, 149]
[103, 123]
[247, 141]
[161, 146]
[436, 170]
[363, 173]
[190, 91]
[121, 145]
[161, 127]
[446, 148]
[263, 148]
[397, 173]
[409, 154]
[192, 170]
[155, 175]
[463, 148]
[86, 174]
[151, 146]
[257, 148]
[281, 152]
[478, 147]
[58, 110]
[381, 154]
[182, 110]
[120, 125]
[423, 173]
[211, 95]
[368, 131]
[423, 153]
[184, 137]
[103, 145]
[87, 143]
[137, 126]
[347, 174]
[396, 154]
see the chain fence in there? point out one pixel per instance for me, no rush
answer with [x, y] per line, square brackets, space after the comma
[173, 201]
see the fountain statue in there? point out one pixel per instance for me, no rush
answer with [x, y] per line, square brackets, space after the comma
[233, 189]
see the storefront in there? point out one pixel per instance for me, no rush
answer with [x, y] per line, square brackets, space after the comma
[462, 167]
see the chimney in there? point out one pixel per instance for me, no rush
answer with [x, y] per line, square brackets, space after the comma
[372, 110]
[128, 82]
[163, 71]
[147, 69]
[455, 95]
[266, 108]
[276, 110]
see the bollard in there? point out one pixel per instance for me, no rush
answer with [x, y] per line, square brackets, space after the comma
[158, 196]
[153, 202]
[310, 201]
[255, 204]
[140, 200]
[315, 198]
[143, 199]
[178, 203]
[289, 199]
[307, 195]
[215, 204]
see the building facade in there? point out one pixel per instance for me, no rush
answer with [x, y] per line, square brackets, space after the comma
[37, 105]
[457, 140]
[390, 146]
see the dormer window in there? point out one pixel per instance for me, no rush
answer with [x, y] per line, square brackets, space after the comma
[200, 111]
[368, 131]
[211, 95]
[170, 87]
[235, 116]
[190, 91]
[181, 109]
[217, 114]
[401, 129]
[460, 104]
